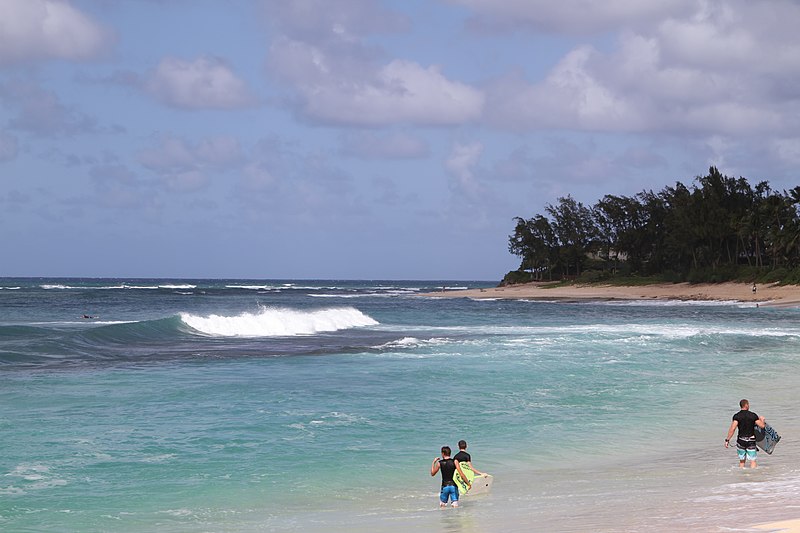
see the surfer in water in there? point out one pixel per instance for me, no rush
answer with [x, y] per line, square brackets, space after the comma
[464, 458]
[448, 467]
[746, 421]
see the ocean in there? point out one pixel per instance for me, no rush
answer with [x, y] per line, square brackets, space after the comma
[288, 405]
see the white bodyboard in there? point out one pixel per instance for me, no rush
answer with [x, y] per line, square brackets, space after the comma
[480, 485]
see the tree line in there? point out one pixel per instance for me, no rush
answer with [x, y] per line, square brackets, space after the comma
[718, 229]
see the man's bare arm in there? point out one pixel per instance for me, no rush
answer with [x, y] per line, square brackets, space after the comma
[733, 427]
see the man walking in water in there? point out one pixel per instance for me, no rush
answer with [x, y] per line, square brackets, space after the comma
[448, 467]
[746, 421]
[464, 458]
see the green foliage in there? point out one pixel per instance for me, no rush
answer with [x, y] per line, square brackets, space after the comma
[718, 229]
[749, 274]
[711, 275]
[635, 281]
[775, 276]
[515, 277]
[594, 276]
[670, 276]
[624, 270]
[792, 277]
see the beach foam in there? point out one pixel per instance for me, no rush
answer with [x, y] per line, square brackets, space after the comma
[412, 342]
[274, 322]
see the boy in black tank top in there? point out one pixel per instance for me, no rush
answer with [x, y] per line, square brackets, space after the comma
[464, 458]
[448, 467]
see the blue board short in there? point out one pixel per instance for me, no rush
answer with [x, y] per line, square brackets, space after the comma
[746, 449]
[449, 491]
[749, 454]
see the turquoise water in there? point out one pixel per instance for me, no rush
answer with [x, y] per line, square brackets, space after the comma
[230, 405]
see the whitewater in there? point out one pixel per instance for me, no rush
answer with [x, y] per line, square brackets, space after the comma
[275, 405]
[279, 322]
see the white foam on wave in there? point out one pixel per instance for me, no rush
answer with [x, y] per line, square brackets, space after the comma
[113, 287]
[785, 487]
[338, 295]
[93, 322]
[34, 476]
[665, 330]
[276, 322]
[387, 294]
[670, 303]
[251, 287]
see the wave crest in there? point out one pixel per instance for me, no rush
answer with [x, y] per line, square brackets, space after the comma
[279, 322]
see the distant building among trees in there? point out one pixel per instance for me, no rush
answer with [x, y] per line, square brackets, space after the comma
[718, 229]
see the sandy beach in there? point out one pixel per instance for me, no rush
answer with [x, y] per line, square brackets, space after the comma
[785, 526]
[772, 295]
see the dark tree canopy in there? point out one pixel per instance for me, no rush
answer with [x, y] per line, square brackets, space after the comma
[718, 228]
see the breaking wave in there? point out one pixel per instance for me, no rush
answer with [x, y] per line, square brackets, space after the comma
[275, 322]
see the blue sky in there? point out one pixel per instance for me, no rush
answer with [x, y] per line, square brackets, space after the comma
[365, 138]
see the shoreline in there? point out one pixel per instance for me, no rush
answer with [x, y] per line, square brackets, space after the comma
[772, 295]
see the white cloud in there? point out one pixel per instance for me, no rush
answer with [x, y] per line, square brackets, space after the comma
[8, 146]
[256, 178]
[306, 64]
[370, 145]
[48, 29]
[735, 36]
[641, 158]
[402, 92]
[205, 83]
[338, 77]
[115, 186]
[787, 151]
[173, 153]
[571, 16]
[570, 97]
[188, 181]
[316, 20]
[185, 167]
[41, 112]
[461, 166]
[219, 150]
[726, 68]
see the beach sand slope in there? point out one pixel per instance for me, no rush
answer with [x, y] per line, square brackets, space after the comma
[785, 526]
[773, 294]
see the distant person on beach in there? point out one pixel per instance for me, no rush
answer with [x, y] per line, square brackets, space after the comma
[464, 458]
[746, 421]
[448, 467]
[754, 288]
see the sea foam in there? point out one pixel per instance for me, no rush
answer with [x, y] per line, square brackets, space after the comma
[274, 322]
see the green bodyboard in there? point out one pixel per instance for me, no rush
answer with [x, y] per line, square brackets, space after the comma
[460, 483]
